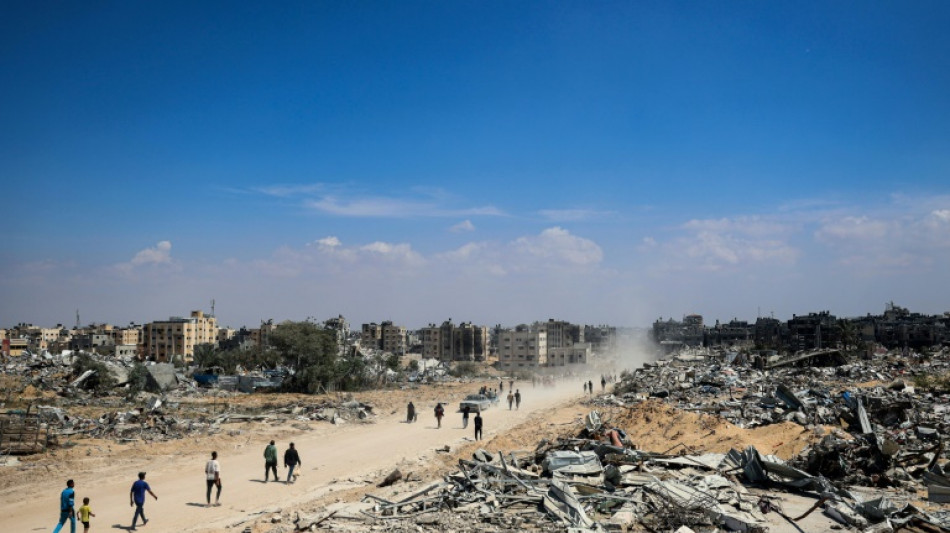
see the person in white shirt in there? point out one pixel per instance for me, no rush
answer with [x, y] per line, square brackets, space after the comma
[213, 477]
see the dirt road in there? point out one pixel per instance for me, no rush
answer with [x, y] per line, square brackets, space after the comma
[334, 458]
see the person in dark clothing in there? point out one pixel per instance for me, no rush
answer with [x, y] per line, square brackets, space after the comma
[270, 461]
[67, 501]
[590, 387]
[585, 387]
[137, 499]
[478, 426]
[517, 398]
[439, 413]
[410, 413]
[603, 383]
[291, 461]
[465, 411]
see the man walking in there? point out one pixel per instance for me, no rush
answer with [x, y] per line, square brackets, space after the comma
[465, 411]
[67, 502]
[270, 461]
[439, 413]
[137, 498]
[511, 399]
[213, 477]
[478, 425]
[291, 461]
[517, 399]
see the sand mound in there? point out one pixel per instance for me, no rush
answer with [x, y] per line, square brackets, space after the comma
[657, 427]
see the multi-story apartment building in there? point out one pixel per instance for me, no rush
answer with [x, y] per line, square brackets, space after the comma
[177, 337]
[673, 334]
[387, 337]
[128, 336]
[576, 354]
[562, 334]
[448, 342]
[371, 336]
[522, 348]
[261, 336]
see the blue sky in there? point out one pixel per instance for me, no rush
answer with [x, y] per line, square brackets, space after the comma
[494, 162]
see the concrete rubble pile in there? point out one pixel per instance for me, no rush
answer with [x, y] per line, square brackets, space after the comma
[173, 407]
[584, 484]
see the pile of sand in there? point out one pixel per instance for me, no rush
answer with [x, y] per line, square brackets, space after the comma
[657, 427]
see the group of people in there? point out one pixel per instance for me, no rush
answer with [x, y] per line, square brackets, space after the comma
[589, 385]
[67, 498]
[514, 398]
[67, 502]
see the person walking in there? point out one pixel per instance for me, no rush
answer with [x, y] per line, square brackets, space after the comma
[270, 461]
[590, 387]
[291, 461]
[517, 399]
[585, 388]
[137, 499]
[410, 413]
[511, 399]
[465, 411]
[478, 425]
[67, 511]
[439, 413]
[84, 513]
[213, 479]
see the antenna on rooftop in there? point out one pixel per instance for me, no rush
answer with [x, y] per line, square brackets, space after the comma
[212, 307]
[77, 318]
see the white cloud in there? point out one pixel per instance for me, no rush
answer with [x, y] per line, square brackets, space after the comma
[394, 252]
[161, 253]
[724, 244]
[465, 225]
[572, 215]
[559, 245]
[851, 228]
[286, 191]
[748, 225]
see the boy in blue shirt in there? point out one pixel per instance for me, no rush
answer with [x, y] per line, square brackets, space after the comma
[137, 498]
[67, 499]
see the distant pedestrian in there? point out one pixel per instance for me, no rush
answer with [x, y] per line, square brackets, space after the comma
[213, 478]
[511, 384]
[410, 413]
[84, 513]
[137, 498]
[439, 413]
[511, 399]
[590, 387]
[478, 426]
[465, 411]
[517, 399]
[501, 385]
[67, 511]
[585, 387]
[291, 461]
[603, 383]
[270, 461]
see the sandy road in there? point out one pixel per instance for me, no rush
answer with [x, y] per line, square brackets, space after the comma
[334, 458]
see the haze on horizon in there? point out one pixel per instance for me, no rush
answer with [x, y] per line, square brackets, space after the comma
[493, 162]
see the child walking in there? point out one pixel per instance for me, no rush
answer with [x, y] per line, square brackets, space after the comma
[84, 513]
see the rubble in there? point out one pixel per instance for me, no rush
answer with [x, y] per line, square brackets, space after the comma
[876, 450]
[173, 408]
